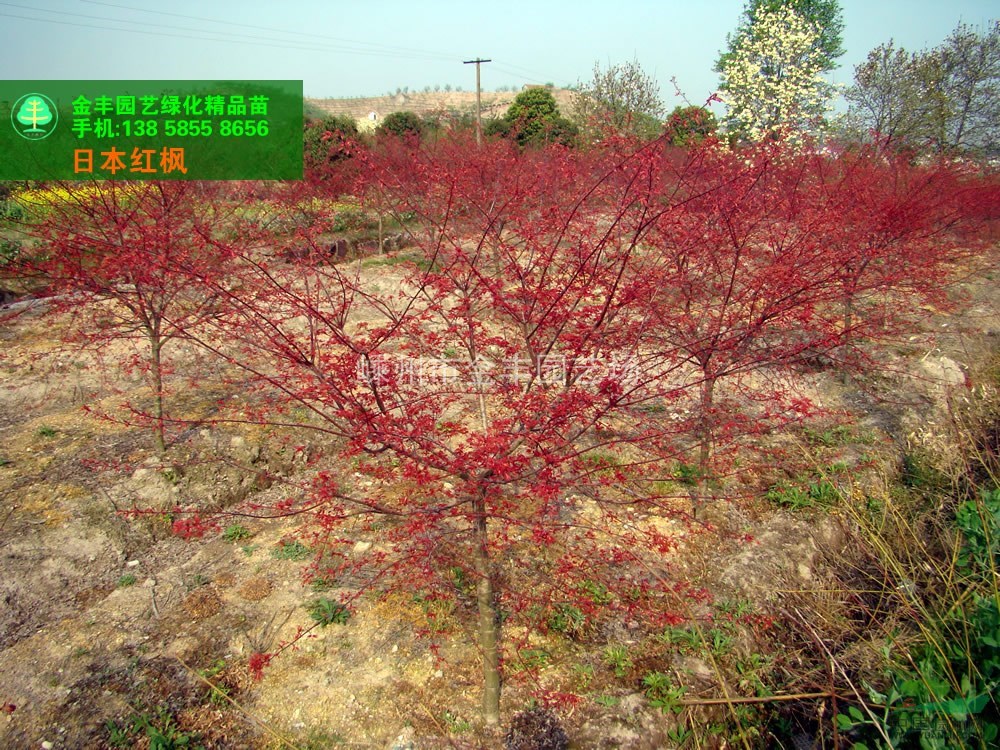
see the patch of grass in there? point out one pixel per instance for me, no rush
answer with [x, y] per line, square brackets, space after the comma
[293, 550]
[126, 580]
[456, 724]
[689, 475]
[820, 493]
[328, 612]
[158, 732]
[841, 434]
[596, 592]
[567, 619]
[618, 659]
[319, 584]
[919, 473]
[531, 659]
[687, 638]
[45, 431]
[320, 739]
[217, 695]
[584, 674]
[171, 475]
[236, 533]
[934, 673]
[662, 693]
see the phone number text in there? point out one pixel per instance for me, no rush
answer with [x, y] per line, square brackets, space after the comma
[172, 128]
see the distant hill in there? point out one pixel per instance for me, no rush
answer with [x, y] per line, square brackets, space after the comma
[495, 103]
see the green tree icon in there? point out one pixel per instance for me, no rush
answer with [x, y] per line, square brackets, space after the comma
[34, 112]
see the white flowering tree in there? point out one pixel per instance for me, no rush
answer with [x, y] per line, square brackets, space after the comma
[772, 81]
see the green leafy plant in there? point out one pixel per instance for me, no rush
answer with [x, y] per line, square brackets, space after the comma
[319, 584]
[719, 641]
[597, 592]
[160, 731]
[118, 736]
[584, 675]
[293, 550]
[236, 533]
[941, 693]
[567, 619]
[979, 522]
[531, 659]
[662, 693]
[795, 497]
[328, 612]
[218, 694]
[839, 435]
[735, 608]
[618, 658]
[46, 431]
[688, 638]
[456, 724]
[126, 580]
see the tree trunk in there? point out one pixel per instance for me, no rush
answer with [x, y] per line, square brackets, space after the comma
[489, 636]
[706, 435]
[156, 345]
[848, 318]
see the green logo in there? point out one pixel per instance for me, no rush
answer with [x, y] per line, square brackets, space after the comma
[34, 116]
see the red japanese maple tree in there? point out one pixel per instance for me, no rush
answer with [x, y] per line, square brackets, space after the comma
[494, 393]
[136, 261]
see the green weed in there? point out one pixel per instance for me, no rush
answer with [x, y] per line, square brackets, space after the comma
[328, 612]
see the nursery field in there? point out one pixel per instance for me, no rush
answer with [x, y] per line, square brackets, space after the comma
[472, 446]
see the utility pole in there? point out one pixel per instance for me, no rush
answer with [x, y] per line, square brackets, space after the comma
[479, 102]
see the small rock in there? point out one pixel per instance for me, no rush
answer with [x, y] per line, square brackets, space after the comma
[132, 564]
[361, 547]
[404, 740]
[439, 674]
[46, 745]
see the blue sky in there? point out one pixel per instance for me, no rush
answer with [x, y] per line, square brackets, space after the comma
[370, 47]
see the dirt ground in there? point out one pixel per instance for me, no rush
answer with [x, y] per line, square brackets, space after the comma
[114, 625]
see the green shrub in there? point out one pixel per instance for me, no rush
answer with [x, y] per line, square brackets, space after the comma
[940, 693]
[402, 124]
[979, 523]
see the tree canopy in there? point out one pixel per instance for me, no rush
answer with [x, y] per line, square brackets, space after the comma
[824, 15]
[946, 98]
[533, 118]
[623, 97]
[772, 79]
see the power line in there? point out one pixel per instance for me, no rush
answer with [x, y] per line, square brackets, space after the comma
[391, 49]
[216, 35]
[324, 43]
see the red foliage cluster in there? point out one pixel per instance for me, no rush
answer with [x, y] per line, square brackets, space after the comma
[574, 330]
